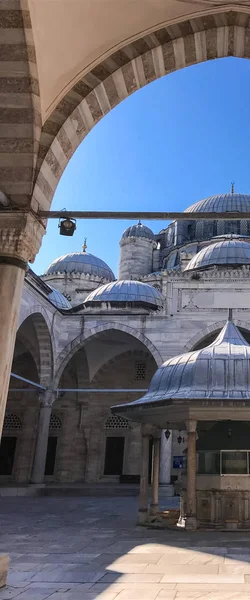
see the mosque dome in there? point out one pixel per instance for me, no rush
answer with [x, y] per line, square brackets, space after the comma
[58, 299]
[219, 371]
[126, 291]
[222, 203]
[229, 252]
[80, 263]
[140, 231]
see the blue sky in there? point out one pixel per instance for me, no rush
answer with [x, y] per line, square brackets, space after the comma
[176, 141]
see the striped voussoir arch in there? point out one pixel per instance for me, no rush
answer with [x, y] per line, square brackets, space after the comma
[127, 70]
[20, 115]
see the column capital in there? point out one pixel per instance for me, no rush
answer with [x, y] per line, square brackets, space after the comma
[47, 398]
[146, 429]
[20, 236]
[191, 426]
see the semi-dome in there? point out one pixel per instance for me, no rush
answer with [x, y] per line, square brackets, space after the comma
[227, 252]
[81, 262]
[218, 372]
[138, 230]
[58, 299]
[222, 203]
[126, 291]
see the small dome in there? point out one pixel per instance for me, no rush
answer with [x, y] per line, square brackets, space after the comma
[80, 262]
[58, 299]
[229, 252]
[219, 371]
[222, 203]
[126, 291]
[138, 230]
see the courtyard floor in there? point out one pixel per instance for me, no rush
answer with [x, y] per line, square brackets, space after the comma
[88, 548]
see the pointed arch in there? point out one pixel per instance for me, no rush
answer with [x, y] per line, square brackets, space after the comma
[207, 331]
[79, 341]
[42, 327]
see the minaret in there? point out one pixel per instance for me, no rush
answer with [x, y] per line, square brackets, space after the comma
[136, 252]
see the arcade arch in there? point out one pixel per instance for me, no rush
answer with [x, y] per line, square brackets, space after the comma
[133, 335]
[110, 360]
[33, 360]
[209, 334]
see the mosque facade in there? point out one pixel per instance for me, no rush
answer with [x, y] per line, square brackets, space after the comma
[87, 342]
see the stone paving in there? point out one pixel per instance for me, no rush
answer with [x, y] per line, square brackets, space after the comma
[87, 548]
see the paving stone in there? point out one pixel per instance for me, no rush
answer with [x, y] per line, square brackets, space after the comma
[84, 596]
[8, 592]
[55, 556]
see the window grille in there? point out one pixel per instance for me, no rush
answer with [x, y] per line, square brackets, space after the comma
[12, 421]
[55, 423]
[140, 370]
[116, 422]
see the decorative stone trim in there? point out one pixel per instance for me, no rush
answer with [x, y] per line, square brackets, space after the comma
[20, 235]
[20, 118]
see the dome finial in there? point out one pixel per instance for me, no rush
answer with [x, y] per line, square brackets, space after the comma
[84, 247]
[139, 222]
[232, 187]
[230, 314]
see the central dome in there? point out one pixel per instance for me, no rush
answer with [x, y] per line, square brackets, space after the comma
[80, 263]
[222, 203]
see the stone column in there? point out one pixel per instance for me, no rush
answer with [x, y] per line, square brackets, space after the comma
[46, 400]
[20, 239]
[165, 458]
[155, 479]
[191, 522]
[143, 497]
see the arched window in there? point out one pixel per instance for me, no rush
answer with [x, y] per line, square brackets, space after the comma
[191, 231]
[55, 423]
[12, 422]
[116, 422]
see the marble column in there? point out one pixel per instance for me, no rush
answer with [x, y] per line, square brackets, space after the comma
[143, 497]
[154, 507]
[46, 400]
[191, 522]
[20, 239]
[11, 284]
[165, 458]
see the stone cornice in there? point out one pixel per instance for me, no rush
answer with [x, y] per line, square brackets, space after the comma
[20, 235]
[211, 274]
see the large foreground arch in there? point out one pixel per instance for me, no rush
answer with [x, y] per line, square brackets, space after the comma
[217, 34]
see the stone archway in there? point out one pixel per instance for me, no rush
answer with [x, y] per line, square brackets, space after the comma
[212, 329]
[45, 350]
[78, 342]
[217, 35]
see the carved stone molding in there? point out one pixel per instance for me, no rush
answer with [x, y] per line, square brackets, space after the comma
[191, 426]
[20, 235]
[47, 398]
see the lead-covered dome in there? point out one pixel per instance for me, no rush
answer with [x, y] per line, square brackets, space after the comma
[140, 231]
[58, 299]
[227, 252]
[80, 263]
[124, 291]
[222, 203]
[218, 372]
